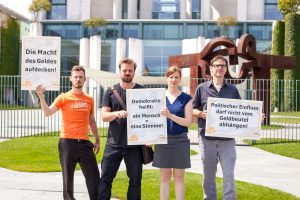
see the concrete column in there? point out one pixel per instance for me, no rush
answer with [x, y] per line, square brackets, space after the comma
[95, 62]
[135, 49]
[117, 9]
[201, 44]
[132, 9]
[84, 49]
[182, 9]
[146, 9]
[188, 46]
[120, 52]
[205, 9]
[242, 10]
[85, 9]
[36, 29]
[256, 10]
[84, 56]
[189, 9]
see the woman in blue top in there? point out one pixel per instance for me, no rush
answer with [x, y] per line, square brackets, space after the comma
[173, 158]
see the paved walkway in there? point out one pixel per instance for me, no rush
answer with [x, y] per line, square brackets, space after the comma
[253, 165]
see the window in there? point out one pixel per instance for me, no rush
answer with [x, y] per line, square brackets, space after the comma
[166, 9]
[130, 31]
[271, 10]
[108, 55]
[260, 32]
[213, 31]
[194, 30]
[196, 9]
[156, 55]
[58, 10]
[124, 9]
[163, 31]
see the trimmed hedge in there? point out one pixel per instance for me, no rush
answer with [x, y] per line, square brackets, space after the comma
[277, 86]
[292, 48]
[10, 45]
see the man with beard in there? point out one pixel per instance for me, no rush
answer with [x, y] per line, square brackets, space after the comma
[74, 146]
[116, 147]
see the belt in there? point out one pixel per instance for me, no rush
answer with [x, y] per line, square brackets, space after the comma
[77, 140]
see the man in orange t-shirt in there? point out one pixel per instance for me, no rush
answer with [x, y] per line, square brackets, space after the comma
[74, 146]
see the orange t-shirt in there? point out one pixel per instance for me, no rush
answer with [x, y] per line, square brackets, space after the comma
[76, 110]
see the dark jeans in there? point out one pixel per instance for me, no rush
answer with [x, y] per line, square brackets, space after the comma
[110, 164]
[71, 152]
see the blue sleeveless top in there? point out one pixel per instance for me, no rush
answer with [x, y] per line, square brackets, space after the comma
[177, 108]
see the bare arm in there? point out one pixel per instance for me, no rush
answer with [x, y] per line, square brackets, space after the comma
[183, 121]
[93, 127]
[48, 111]
[199, 113]
[108, 116]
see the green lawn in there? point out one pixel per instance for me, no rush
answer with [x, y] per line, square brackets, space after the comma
[34, 154]
[293, 114]
[288, 149]
[286, 117]
[40, 154]
[37, 154]
[150, 188]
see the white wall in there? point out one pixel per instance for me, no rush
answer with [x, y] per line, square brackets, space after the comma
[256, 10]
[120, 52]
[74, 9]
[135, 49]
[146, 9]
[102, 8]
[242, 10]
[223, 8]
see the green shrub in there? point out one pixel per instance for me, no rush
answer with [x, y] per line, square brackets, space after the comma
[277, 74]
[292, 48]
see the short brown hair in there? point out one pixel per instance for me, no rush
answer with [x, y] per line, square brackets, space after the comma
[127, 61]
[219, 57]
[77, 68]
[171, 70]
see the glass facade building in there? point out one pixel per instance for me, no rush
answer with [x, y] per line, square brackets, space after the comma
[161, 36]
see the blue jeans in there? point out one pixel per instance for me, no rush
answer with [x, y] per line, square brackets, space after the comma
[109, 167]
[212, 152]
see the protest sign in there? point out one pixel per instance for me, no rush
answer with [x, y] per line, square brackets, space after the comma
[40, 62]
[233, 118]
[145, 124]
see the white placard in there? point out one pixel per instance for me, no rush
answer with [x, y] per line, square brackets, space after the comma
[233, 118]
[40, 62]
[145, 124]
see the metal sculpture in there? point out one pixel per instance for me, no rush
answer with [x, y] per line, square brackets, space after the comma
[246, 49]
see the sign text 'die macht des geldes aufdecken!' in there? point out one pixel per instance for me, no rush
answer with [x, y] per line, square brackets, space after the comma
[40, 62]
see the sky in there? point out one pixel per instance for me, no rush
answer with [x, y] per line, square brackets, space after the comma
[19, 6]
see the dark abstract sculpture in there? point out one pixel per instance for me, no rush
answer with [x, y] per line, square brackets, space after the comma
[246, 49]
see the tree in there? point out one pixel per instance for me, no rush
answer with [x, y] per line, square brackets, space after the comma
[10, 45]
[225, 22]
[94, 23]
[288, 6]
[39, 5]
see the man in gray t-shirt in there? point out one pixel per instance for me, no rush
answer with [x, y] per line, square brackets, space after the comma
[213, 149]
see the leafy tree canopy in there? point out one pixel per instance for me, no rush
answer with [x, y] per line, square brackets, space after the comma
[38, 5]
[288, 6]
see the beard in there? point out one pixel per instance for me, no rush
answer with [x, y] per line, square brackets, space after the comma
[127, 79]
[77, 85]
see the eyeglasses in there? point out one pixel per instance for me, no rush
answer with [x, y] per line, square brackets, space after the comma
[220, 65]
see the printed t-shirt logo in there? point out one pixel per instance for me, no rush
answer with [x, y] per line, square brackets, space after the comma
[79, 105]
